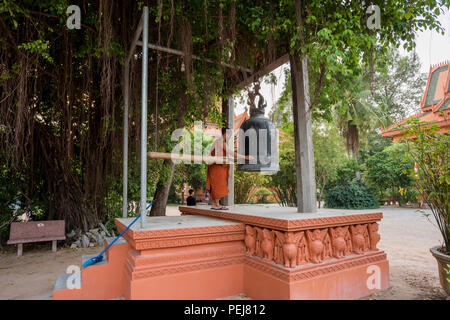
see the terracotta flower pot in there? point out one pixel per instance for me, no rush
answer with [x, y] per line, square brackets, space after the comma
[443, 262]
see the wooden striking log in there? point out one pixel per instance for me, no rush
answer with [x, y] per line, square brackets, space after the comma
[188, 157]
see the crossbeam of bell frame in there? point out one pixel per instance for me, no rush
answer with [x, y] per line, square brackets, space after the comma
[181, 53]
[265, 70]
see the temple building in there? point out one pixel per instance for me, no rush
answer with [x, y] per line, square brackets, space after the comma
[435, 101]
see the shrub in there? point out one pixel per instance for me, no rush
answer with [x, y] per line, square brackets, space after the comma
[353, 195]
[429, 149]
[388, 170]
[263, 193]
[245, 184]
[410, 195]
[345, 174]
[284, 181]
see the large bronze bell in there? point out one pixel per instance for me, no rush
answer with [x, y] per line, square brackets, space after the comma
[258, 138]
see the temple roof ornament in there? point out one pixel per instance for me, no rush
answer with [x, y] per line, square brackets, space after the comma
[436, 99]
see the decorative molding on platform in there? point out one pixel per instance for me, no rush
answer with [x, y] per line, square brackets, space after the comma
[141, 273]
[180, 237]
[287, 225]
[304, 272]
[180, 256]
[314, 270]
[175, 232]
[184, 241]
[292, 249]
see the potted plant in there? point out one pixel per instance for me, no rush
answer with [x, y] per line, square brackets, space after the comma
[430, 150]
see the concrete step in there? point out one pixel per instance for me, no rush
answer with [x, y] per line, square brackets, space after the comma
[89, 256]
[61, 282]
[108, 240]
[101, 274]
[121, 240]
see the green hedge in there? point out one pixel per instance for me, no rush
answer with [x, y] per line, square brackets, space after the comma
[353, 195]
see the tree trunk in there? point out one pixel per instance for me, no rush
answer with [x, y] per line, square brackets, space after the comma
[353, 144]
[162, 192]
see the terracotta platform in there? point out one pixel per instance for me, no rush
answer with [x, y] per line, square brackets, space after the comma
[266, 253]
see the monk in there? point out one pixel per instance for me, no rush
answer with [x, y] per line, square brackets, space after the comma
[217, 174]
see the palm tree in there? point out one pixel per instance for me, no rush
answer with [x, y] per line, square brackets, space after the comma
[355, 115]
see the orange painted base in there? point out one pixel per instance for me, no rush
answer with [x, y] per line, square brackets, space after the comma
[197, 285]
[206, 271]
[263, 281]
[100, 282]
[214, 261]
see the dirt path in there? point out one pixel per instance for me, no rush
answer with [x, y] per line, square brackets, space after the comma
[33, 275]
[406, 237]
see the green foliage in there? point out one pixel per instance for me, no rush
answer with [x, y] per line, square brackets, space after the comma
[38, 46]
[194, 175]
[409, 195]
[245, 184]
[353, 195]
[345, 173]
[430, 150]
[353, 110]
[13, 200]
[173, 196]
[397, 87]
[281, 114]
[113, 200]
[389, 170]
[375, 143]
[447, 271]
[284, 181]
[263, 193]
[329, 154]
[9, 196]
[68, 95]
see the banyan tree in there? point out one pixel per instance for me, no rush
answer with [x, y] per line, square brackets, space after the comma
[61, 97]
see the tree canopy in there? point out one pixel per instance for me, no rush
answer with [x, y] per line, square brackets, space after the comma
[61, 95]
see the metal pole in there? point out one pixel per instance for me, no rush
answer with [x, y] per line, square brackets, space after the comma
[143, 203]
[126, 95]
[125, 141]
[229, 105]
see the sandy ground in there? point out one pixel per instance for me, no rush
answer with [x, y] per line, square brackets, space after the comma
[406, 237]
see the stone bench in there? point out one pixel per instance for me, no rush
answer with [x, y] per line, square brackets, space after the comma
[36, 231]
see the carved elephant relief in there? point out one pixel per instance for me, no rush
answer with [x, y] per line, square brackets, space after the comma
[339, 243]
[359, 238]
[290, 242]
[250, 240]
[374, 236]
[267, 244]
[316, 244]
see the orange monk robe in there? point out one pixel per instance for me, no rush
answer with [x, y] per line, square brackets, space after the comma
[217, 175]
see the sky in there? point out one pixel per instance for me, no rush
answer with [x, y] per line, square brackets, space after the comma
[431, 48]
